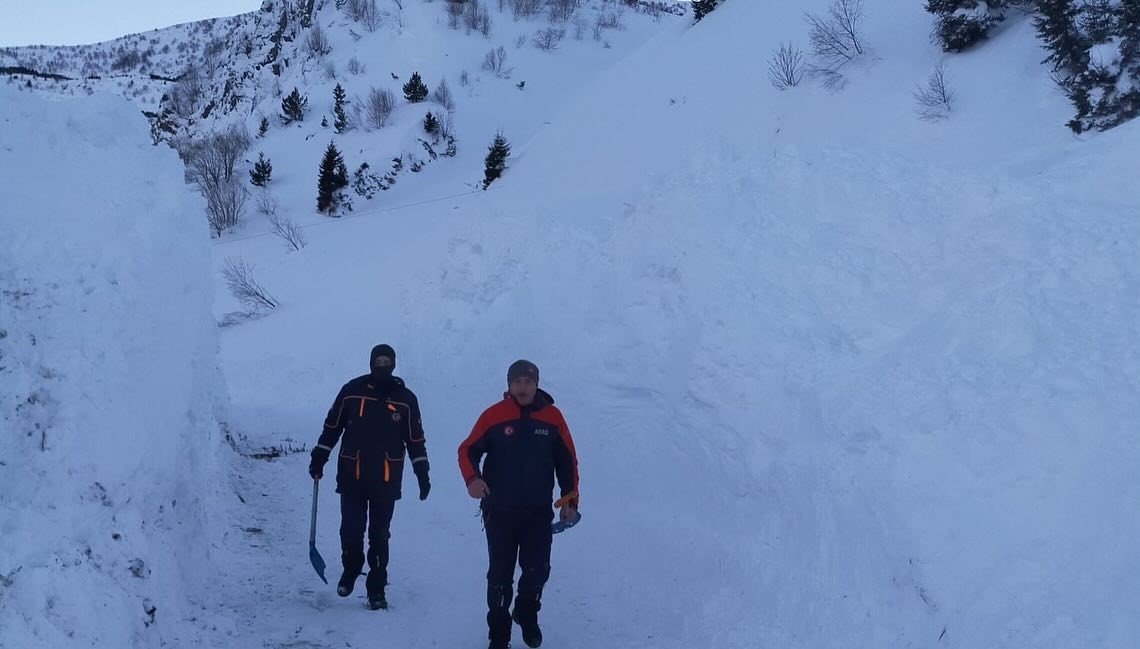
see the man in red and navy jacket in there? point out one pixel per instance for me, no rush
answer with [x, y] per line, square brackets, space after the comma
[376, 418]
[527, 445]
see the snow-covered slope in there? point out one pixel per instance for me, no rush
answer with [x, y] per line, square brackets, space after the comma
[108, 380]
[838, 377]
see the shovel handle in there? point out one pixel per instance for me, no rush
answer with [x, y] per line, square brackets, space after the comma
[313, 521]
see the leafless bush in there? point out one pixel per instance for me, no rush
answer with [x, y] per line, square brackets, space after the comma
[289, 231]
[454, 13]
[446, 126]
[476, 17]
[933, 101]
[549, 38]
[580, 26]
[243, 286]
[496, 61]
[210, 160]
[464, 79]
[370, 15]
[835, 40]
[329, 70]
[786, 66]
[525, 8]
[225, 205]
[354, 9]
[355, 66]
[520, 42]
[186, 92]
[317, 42]
[266, 202]
[610, 20]
[560, 11]
[379, 107]
[442, 95]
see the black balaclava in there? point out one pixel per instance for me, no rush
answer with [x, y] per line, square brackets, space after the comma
[383, 371]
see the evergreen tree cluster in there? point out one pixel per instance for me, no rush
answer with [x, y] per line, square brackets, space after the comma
[961, 24]
[1094, 50]
[702, 8]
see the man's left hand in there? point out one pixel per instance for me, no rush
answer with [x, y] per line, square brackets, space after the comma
[568, 513]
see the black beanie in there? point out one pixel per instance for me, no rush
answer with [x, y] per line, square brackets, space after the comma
[522, 368]
[382, 350]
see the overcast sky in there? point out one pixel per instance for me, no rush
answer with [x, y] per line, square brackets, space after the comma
[75, 22]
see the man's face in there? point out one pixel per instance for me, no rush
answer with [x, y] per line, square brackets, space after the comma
[522, 389]
[382, 365]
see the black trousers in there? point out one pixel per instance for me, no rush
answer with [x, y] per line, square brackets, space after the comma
[522, 536]
[366, 508]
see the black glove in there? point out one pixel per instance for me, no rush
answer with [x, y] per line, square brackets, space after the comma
[317, 463]
[421, 469]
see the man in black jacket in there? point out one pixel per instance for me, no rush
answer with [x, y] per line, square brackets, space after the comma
[527, 445]
[378, 418]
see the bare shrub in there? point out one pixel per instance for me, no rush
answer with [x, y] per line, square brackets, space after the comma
[786, 66]
[289, 231]
[266, 202]
[244, 287]
[525, 8]
[355, 67]
[446, 127]
[225, 205]
[561, 11]
[835, 39]
[933, 101]
[317, 42]
[442, 95]
[549, 38]
[379, 107]
[370, 15]
[211, 160]
[580, 26]
[476, 17]
[454, 13]
[495, 61]
[610, 20]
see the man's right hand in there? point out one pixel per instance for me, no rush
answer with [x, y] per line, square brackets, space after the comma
[477, 488]
[317, 463]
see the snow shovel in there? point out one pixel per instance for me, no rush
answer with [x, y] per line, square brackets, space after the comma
[561, 526]
[315, 556]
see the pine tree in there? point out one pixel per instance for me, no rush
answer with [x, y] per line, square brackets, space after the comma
[293, 107]
[431, 124]
[333, 177]
[415, 90]
[496, 160]
[263, 127]
[262, 170]
[1056, 24]
[340, 121]
[702, 8]
[961, 24]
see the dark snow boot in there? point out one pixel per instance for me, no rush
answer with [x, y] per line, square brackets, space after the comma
[353, 562]
[526, 616]
[376, 601]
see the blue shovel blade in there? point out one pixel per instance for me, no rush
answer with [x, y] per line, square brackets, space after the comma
[318, 562]
[561, 526]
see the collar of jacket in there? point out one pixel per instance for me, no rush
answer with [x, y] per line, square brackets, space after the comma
[542, 399]
[384, 384]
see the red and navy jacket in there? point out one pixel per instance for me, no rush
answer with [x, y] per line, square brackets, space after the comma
[526, 448]
[379, 419]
